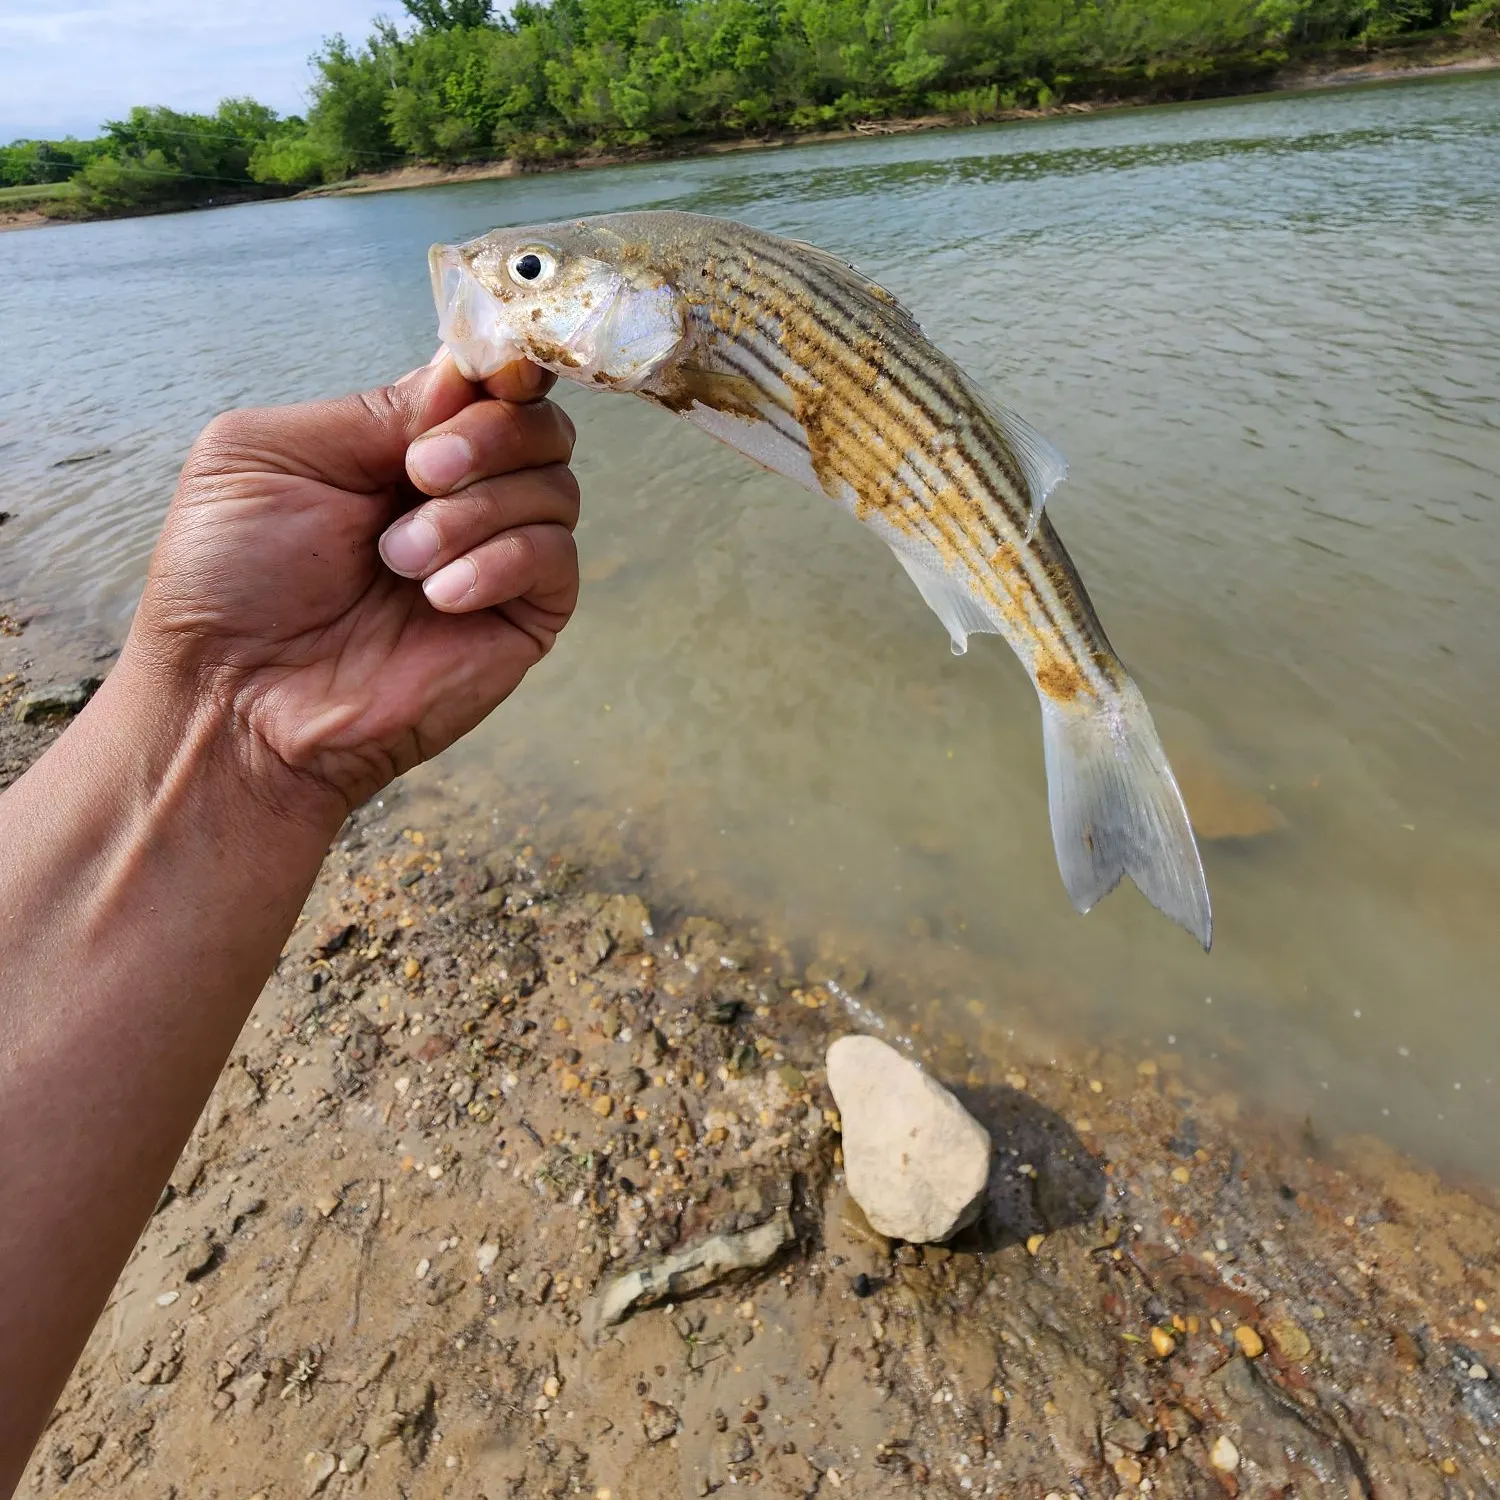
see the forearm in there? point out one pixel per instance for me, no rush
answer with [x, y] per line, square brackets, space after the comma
[149, 875]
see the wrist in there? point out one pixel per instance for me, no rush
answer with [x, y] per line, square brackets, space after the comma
[186, 742]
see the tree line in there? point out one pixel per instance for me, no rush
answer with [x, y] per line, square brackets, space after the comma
[558, 78]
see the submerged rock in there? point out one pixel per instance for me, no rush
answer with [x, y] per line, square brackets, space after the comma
[60, 701]
[915, 1159]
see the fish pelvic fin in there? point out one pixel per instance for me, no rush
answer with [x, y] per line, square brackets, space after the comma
[1116, 809]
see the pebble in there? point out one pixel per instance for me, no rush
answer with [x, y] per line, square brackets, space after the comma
[658, 1421]
[1252, 1346]
[603, 1105]
[1162, 1343]
[486, 1256]
[423, 1267]
[1290, 1340]
[321, 1467]
[326, 1205]
[915, 1160]
[1224, 1455]
[166, 1299]
[352, 1460]
[61, 701]
[551, 1387]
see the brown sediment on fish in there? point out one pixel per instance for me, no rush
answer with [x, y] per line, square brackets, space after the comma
[546, 352]
[868, 413]
[734, 395]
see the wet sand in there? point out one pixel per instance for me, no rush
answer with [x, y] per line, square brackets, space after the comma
[481, 1085]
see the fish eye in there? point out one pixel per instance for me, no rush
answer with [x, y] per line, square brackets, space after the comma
[533, 266]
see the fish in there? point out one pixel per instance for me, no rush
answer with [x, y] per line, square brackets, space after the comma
[808, 368]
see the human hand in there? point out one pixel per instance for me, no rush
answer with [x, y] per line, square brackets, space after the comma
[280, 603]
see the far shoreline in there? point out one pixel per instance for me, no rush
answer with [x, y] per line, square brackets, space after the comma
[1394, 65]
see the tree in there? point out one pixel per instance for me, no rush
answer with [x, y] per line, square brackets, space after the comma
[449, 15]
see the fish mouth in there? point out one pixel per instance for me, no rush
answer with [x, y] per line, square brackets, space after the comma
[471, 320]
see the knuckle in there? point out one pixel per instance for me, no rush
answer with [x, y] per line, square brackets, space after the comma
[562, 479]
[381, 405]
[227, 434]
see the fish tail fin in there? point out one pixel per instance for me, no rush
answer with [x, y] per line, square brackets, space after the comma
[1116, 809]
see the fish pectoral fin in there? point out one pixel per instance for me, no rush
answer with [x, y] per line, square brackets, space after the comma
[949, 600]
[1042, 466]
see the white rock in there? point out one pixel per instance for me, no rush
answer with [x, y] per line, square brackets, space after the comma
[486, 1256]
[1225, 1456]
[916, 1161]
[320, 1467]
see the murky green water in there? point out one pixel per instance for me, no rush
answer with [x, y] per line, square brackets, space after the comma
[1267, 336]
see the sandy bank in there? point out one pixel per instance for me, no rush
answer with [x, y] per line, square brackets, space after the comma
[481, 1086]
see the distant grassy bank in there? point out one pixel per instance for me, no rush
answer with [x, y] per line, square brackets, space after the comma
[463, 92]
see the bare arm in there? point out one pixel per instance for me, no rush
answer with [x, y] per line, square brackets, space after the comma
[154, 860]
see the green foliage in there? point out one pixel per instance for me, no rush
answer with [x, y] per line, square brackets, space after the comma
[350, 96]
[160, 158]
[1479, 20]
[560, 76]
[552, 78]
[291, 160]
[24, 163]
[448, 15]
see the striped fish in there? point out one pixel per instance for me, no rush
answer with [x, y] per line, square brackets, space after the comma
[808, 368]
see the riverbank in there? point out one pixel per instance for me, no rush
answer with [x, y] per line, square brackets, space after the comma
[482, 1085]
[1340, 70]
[1328, 69]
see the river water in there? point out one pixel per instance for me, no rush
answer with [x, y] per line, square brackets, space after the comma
[1266, 334]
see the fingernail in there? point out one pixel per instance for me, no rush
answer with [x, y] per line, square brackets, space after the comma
[451, 585]
[439, 463]
[409, 546]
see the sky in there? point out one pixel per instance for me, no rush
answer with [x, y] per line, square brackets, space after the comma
[66, 66]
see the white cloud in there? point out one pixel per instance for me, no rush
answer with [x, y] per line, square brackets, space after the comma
[65, 69]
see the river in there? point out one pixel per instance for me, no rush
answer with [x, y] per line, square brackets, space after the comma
[1266, 333]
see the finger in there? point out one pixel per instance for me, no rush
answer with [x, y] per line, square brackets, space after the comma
[520, 381]
[539, 563]
[431, 536]
[487, 438]
[356, 442]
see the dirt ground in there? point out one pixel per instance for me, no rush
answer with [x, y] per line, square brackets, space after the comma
[479, 1088]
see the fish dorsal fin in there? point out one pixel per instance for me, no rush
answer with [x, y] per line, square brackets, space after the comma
[887, 302]
[949, 600]
[1043, 467]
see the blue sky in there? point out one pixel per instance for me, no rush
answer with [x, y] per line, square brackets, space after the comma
[66, 66]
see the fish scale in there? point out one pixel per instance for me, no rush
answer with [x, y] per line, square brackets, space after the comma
[811, 370]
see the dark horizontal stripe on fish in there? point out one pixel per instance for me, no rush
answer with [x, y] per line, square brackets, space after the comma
[946, 392]
[851, 299]
[936, 522]
[834, 347]
[955, 529]
[979, 483]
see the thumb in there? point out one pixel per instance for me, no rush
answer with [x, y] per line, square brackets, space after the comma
[355, 442]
